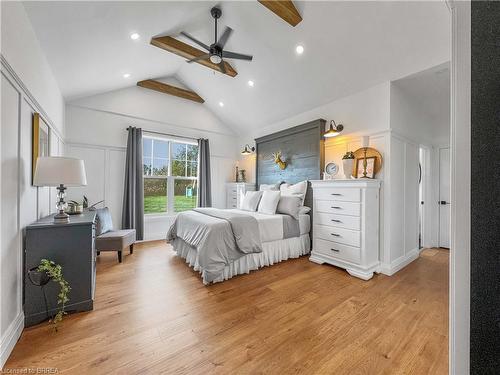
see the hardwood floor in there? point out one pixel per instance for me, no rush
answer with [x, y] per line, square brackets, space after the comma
[153, 315]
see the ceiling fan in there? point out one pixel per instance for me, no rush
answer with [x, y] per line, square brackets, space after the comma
[216, 52]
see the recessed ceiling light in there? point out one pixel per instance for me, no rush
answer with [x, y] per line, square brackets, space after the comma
[299, 49]
[126, 75]
[250, 83]
[221, 104]
[134, 36]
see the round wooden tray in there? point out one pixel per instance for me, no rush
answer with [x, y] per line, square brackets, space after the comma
[370, 152]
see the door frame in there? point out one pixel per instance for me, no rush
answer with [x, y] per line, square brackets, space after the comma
[440, 148]
[425, 219]
[460, 157]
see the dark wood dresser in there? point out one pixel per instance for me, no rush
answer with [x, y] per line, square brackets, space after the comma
[70, 245]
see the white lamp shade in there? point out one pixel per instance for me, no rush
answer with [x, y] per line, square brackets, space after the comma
[54, 171]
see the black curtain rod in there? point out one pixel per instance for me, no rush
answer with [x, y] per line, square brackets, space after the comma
[167, 134]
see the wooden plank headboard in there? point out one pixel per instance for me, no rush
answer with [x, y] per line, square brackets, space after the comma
[302, 148]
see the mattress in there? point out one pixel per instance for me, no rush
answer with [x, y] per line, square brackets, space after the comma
[271, 226]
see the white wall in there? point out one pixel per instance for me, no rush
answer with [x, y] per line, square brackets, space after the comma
[420, 106]
[95, 132]
[27, 86]
[23, 52]
[366, 112]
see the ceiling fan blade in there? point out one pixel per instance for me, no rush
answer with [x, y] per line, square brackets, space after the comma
[224, 37]
[234, 55]
[222, 67]
[201, 44]
[202, 57]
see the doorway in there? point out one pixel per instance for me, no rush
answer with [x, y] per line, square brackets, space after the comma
[422, 196]
[444, 198]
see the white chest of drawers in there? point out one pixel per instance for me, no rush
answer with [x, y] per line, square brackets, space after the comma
[346, 225]
[235, 191]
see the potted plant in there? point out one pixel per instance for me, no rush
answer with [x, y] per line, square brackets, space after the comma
[47, 271]
[348, 163]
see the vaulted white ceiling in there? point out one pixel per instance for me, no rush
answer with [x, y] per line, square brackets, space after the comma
[349, 46]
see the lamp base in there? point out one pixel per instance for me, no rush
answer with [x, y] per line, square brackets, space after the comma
[61, 218]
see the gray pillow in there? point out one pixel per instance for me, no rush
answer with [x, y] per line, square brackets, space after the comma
[290, 205]
[103, 221]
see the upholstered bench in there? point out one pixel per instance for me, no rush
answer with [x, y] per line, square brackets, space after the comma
[108, 239]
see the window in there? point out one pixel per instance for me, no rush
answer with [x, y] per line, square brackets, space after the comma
[170, 175]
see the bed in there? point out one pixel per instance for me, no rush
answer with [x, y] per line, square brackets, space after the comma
[221, 244]
[207, 243]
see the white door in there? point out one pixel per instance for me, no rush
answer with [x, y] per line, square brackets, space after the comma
[444, 197]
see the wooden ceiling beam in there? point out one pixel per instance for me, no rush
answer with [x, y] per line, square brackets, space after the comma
[283, 9]
[188, 52]
[170, 90]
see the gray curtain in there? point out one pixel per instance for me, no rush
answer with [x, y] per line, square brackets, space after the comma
[133, 195]
[204, 187]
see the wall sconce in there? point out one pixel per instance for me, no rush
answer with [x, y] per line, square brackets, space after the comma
[247, 150]
[334, 130]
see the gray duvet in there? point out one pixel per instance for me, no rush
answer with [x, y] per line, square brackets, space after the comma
[220, 237]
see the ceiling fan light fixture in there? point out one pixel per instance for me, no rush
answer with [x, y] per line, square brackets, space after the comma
[216, 53]
[334, 130]
[216, 59]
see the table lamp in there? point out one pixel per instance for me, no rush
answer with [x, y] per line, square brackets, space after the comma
[60, 172]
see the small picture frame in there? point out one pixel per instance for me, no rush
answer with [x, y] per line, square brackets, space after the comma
[370, 167]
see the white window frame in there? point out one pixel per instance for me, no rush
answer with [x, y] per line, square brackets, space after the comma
[170, 179]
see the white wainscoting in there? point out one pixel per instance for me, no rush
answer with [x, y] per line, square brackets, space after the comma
[402, 204]
[21, 202]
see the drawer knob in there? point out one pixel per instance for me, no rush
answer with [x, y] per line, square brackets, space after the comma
[337, 221]
[335, 234]
[337, 251]
[337, 207]
[336, 194]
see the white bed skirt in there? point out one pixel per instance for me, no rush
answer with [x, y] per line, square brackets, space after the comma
[272, 252]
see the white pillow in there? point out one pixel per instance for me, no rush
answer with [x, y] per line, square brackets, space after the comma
[304, 210]
[274, 187]
[290, 205]
[251, 200]
[269, 202]
[298, 189]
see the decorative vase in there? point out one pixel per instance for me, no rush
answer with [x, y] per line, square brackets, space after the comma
[241, 176]
[347, 167]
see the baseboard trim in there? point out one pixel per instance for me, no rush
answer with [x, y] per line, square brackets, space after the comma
[400, 263]
[10, 338]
